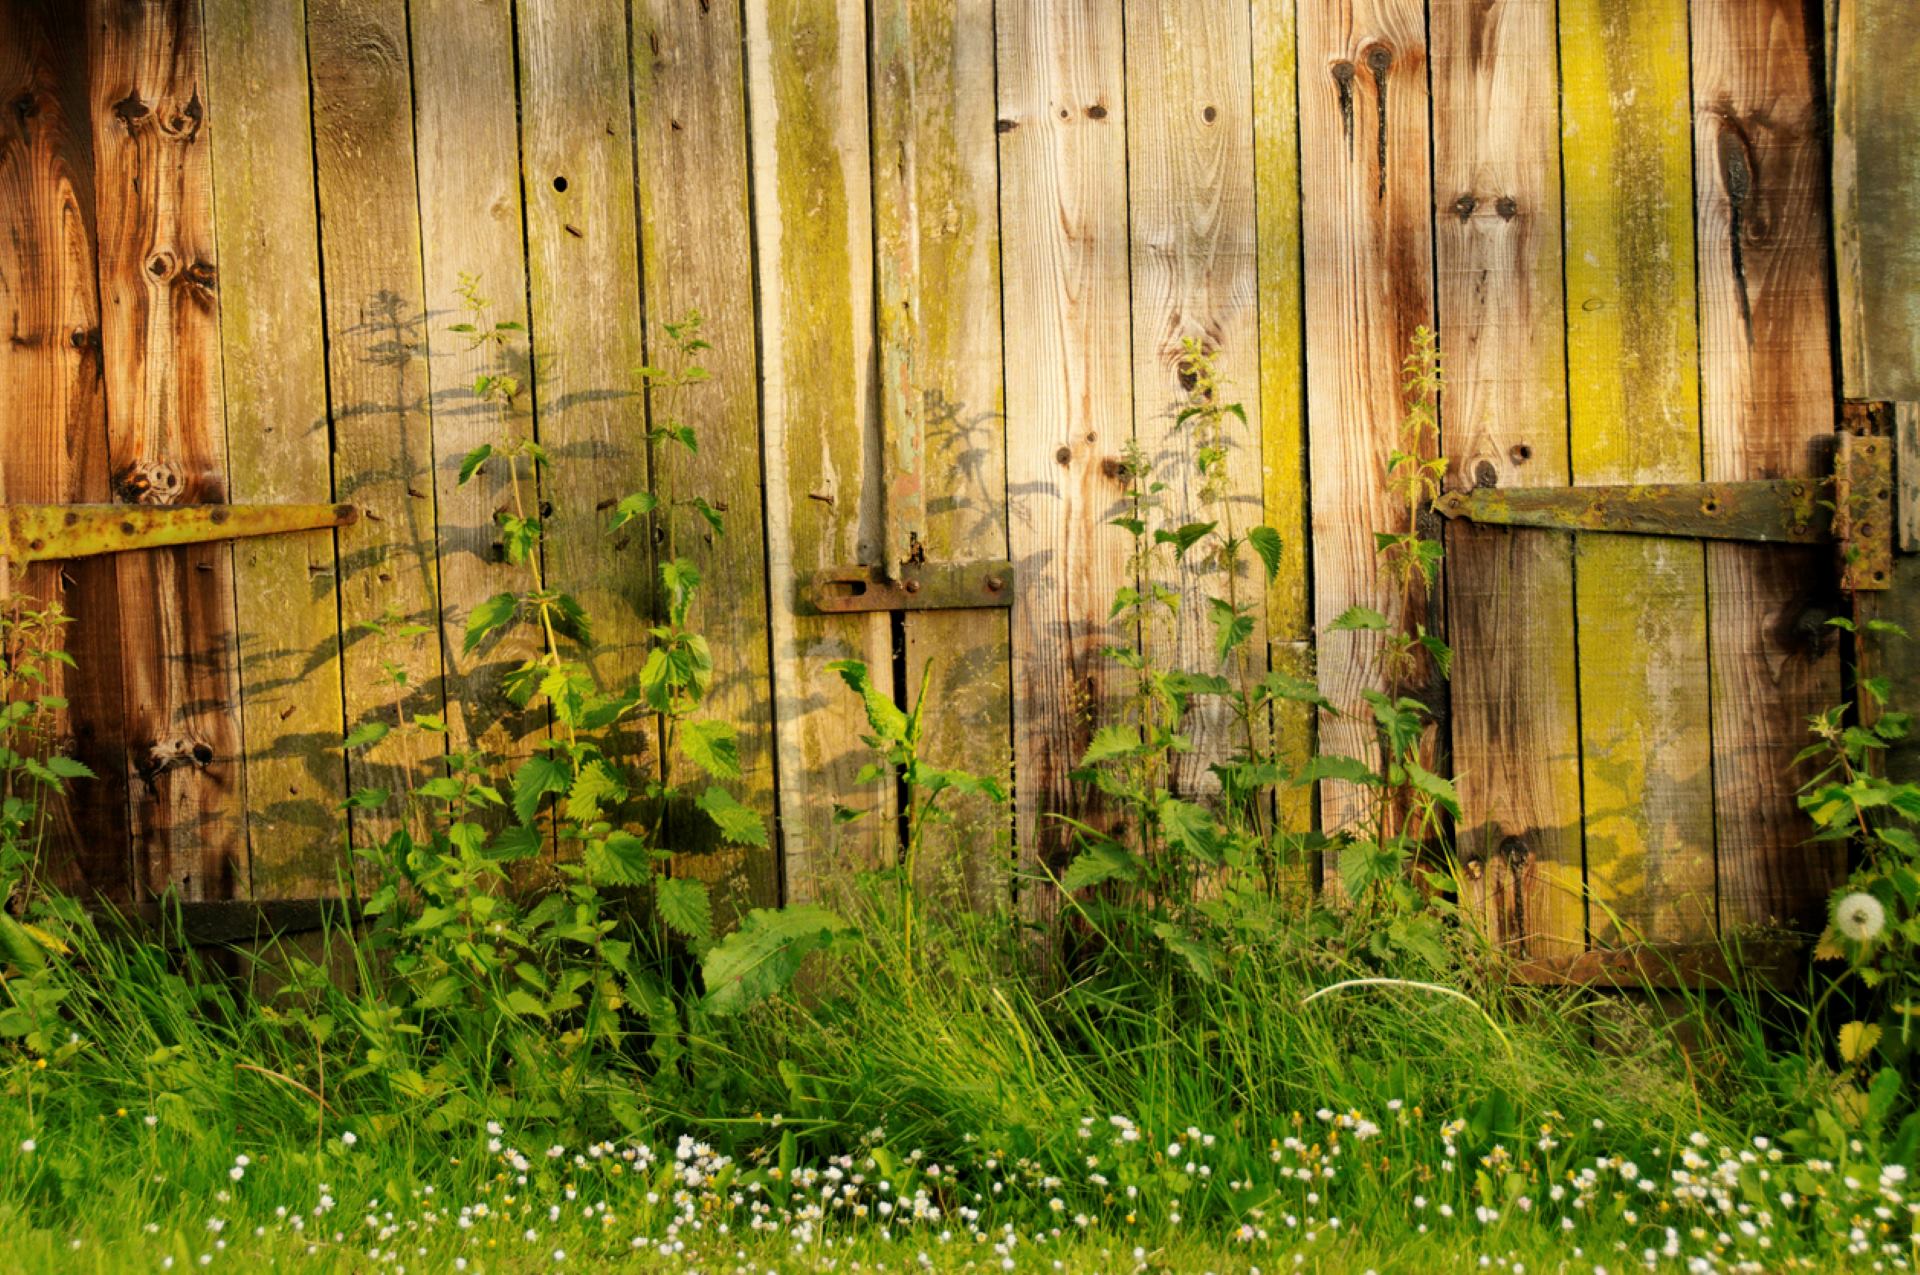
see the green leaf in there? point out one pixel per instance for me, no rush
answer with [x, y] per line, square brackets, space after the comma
[1334, 766]
[537, 776]
[737, 823]
[367, 733]
[685, 906]
[1266, 543]
[1231, 627]
[888, 722]
[1355, 619]
[470, 464]
[1110, 742]
[512, 844]
[18, 946]
[570, 619]
[761, 957]
[1184, 537]
[488, 616]
[1102, 861]
[1434, 786]
[68, 767]
[1200, 957]
[594, 787]
[638, 505]
[621, 859]
[712, 746]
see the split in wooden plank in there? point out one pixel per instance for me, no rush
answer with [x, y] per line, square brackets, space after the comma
[160, 351]
[55, 428]
[1516, 746]
[467, 153]
[1767, 407]
[1633, 396]
[273, 356]
[375, 305]
[1190, 195]
[1283, 409]
[937, 220]
[807, 90]
[689, 98]
[1368, 239]
[1063, 225]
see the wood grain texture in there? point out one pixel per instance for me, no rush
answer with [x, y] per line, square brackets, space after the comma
[1063, 220]
[1633, 388]
[1368, 246]
[1768, 405]
[935, 152]
[807, 89]
[273, 356]
[1283, 409]
[1879, 87]
[1516, 745]
[467, 152]
[376, 312]
[53, 420]
[160, 344]
[584, 269]
[697, 239]
[1190, 194]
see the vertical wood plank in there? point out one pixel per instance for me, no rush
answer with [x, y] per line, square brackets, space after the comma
[1516, 745]
[937, 213]
[160, 333]
[807, 89]
[584, 268]
[1633, 391]
[1879, 88]
[1283, 412]
[54, 423]
[690, 101]
[1768, 405]
[1368, 242]
[273, 355]
[467, 149]
[1063, 218]
[375, 304]
[1190, 210]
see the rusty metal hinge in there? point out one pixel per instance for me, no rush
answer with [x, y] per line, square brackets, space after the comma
[1852, 510]
[45, 533]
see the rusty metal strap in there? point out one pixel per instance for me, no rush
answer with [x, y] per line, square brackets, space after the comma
[920, 587]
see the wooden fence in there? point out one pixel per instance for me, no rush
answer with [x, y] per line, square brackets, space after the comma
[232, 238]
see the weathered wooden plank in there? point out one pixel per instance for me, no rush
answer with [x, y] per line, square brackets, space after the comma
[1063, 220]
[1516, 746]
[160, 344]
[807, 90]
[1190, 213]
[467, 151]
[53, 424]
[375, 305]
[690, 99]
[1633, 393]
[938, 223]
[584, 268]
[1768, 404]
[1368, 240]
[273, 352]
[1877, 187]
[1283, 409]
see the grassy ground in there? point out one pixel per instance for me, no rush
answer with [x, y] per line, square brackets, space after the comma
[965, 1119]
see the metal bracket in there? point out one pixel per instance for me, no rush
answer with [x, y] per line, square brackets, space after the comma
[45, 533]
[1853, 509]
[921, 586]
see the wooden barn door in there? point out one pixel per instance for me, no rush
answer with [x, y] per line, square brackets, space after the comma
[1629, 270]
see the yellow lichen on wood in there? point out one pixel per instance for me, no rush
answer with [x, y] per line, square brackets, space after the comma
[1633, 387]
[1283, 444]
[809, 143]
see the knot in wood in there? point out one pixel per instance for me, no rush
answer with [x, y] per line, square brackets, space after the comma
[150, 482]
[1379, 59]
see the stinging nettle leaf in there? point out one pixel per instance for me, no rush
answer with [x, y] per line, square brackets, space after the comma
[1266, 543]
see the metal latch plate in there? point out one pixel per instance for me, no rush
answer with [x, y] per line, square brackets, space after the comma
[920, 587]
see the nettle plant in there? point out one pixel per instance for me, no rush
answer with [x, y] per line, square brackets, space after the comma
[1198, 873]
[495, 980]
[1874, 916]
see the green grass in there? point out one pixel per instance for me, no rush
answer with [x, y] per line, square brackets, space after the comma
[1221, 1124]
